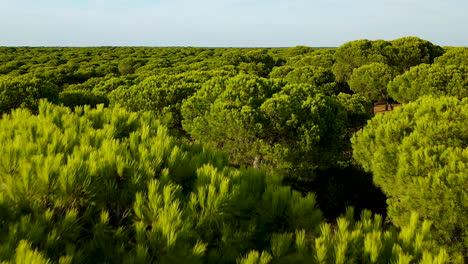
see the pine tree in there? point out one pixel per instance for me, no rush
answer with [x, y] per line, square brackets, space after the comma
[418, 156]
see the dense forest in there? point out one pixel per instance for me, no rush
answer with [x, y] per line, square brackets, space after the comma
[234, 155]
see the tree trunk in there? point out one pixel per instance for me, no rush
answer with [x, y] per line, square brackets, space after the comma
[387, 104]
[256, 162]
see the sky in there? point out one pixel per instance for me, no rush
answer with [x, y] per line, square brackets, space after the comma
[229, 23]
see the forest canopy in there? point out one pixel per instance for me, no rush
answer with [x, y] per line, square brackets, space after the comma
[234, 155]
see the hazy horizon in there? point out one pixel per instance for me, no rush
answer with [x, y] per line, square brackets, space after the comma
[228, 23]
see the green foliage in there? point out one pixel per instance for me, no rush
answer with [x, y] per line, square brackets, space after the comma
[10, 66]
[162, 94]
[419, 158]
[105, 185]
[424, 79]
[281, 71]
[257, 62]
[25, 255]
[224, 112]
[258, 121]
[315, 76]
[371, 81]
[280, 244]
[255, 258]
[250, 61]
[25, 91]
[298, 51]
[355, 54]
[110, 84]
[412, 51]
[454, 56]
[358, 109]
[129, 65]
[305, 126]
[350, 241]
[104, 84]
[401, 53]
[82, 97]
[109, 186]
[319, 58]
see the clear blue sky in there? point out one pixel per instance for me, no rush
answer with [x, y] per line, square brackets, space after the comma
[228, 23]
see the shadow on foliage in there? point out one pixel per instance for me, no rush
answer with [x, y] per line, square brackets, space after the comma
[339, 187]
[82, 97]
